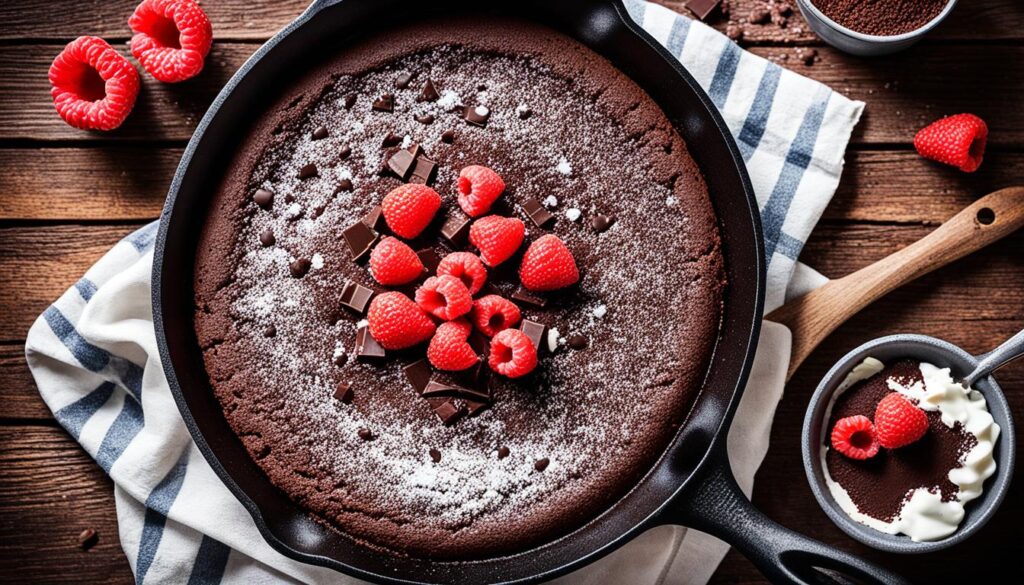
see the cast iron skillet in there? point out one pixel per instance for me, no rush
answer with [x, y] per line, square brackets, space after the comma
[691, 484]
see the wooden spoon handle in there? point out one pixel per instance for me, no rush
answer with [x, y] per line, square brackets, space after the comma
[815, 315]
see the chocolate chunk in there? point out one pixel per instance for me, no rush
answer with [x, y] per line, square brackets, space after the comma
[535, 331]
[474, 408]
[418, 373]
[403, 80]
[267, 238]
[88, 538]
[375, 218]
[401, 163]
[577, 342]
[524, 296]
[477, 115]
[299, 267]
[541, 464]
[449, 412]
[360, 238]
[435, 455]
[320, 133]
[524, 113]
[344, 186]
[601, 223]
[270, 331]
[702, 8]
[425, 119]
[455, 229]
[448, 136]
[356, 297]
[429, 258]
[341, 359]
[289, 198]
[264, 198]
[537, 213]
[390, 140]
[344, 393]
[345, 152]
[424, 171]
[365, 434]
[503, 452]
[367, 348]
[435, 389]
[308, 171]
[385, 103]
[428, 94]
[350, 100]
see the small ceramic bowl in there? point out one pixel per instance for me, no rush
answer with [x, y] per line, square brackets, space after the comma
[942, 354]
[855, 43]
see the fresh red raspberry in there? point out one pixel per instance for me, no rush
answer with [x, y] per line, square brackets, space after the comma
[957, 140]
[466, 267]
[409, 209]
[449, 349]
[93, 86]
[898, 422]
[172, 38]
[497, 237]
[492, 314]
[479, 188]
[854, 436]
[548, 265]
[445, 297]
[393, 262]
[397, 323]
[512, 354]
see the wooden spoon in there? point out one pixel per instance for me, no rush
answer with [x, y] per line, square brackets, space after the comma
[815, 315]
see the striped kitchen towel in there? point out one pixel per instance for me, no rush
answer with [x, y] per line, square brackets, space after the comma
[94, 357]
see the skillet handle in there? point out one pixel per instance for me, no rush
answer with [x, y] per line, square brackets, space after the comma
[717, 506]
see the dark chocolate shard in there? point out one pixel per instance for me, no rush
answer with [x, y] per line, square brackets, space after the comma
[264, 198]
[344, 186]
[524, 113]
[349, 101]
[526, 297]
[299, 267]
[477, 115]
[435, 389]
[360, 239]
[449, 412]
[541, 464]
[424, 171]
[308, 171]
[320, 133]
[418, 373]
[535, 331]
[702, 8]
[429, 93]
[474, 408]
[401, 163]
[448, 136]
[430, 259]
[367, 348]
[455, 229]
[403, 80]
[374, 219]
[385, 103]
[479, 342]
[343, 392]
[390, 140]
[601, 223]
[537, 213]
[365, 434]
[356, 297]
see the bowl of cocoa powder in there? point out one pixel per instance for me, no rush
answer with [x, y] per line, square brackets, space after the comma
[873, 27]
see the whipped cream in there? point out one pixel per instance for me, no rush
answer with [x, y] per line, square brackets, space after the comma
[924, 516]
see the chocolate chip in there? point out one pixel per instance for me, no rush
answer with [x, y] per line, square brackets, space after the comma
[449, 412]
[577, 342]
[537, 213]
[375, 218]
[524, 113]
[345, 152]
[418, 373]
[365, 434]
[541, 464]
[320, 133]
[344, 393]
[390, 140]
[524, 296]
[601, 223]
[264, 198]
[403, 80]
[534, 331]
[425, 119]
[360, 239]
[367, 348]
[308, 171]
[435, 455]
[455, 229]
[428, 94]
[503, 452]
[270, 331]
[350, 100]
[267, 238]
[477, 115]
[344, 186]
[356, 297]
[429, 258]
[424, 171]
[448, 136]
[299, 267]
[401, 163]
[88, 538]
[385, 103]
[341, 359]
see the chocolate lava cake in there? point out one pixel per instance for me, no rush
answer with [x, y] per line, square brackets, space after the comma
[344, 432]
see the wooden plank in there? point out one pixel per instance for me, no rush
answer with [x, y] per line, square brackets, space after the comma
[51, 490]
[19, 398]
[895, 111]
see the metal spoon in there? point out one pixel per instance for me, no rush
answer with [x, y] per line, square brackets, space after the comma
[1007, 351]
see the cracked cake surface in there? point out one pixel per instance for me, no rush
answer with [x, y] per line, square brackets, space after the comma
[565, 128]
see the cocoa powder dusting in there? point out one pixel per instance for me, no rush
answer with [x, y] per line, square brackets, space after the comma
[881, 17]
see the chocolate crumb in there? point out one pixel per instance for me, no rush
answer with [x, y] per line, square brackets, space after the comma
[344, 186]
[350, 100]
[524, 113]
[435, 455]
[577, 342]
[448, 136]
[541, 464]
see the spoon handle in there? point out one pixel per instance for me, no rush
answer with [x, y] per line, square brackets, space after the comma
[1007, 351]
[815, 315]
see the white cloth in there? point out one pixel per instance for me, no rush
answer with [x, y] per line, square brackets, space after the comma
[94, 357]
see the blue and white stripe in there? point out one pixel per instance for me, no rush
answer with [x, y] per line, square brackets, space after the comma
[94, 357]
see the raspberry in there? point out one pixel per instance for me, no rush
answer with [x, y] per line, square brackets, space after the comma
[492, 314]
[512, 354]
[957, 140]
[397, 323]
[172, 38]
[497, 237]
[445, 297]
[898, 422]
[479, 188]
[449, 349]
[854, 436]
[466, 267]
[393, 263]
[93, 86]
[548, 265]
[409, 209]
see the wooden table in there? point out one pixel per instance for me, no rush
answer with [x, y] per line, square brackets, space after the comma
[66, 196]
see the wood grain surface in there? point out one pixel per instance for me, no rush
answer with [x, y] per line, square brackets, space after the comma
[66, 196]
